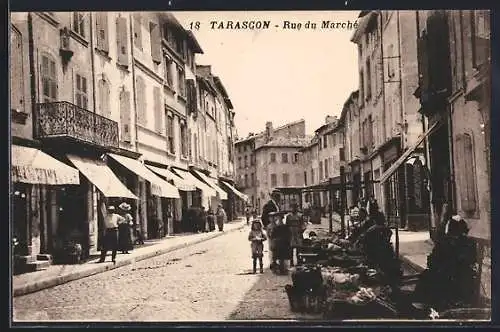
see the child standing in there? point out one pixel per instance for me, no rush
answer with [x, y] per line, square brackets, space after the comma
[257, 238]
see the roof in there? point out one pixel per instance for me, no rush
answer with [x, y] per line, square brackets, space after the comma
[283, 142]
[274, 129]
[195, 46]
[365, 18]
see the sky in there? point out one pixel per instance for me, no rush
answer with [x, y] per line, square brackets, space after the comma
[279, 75]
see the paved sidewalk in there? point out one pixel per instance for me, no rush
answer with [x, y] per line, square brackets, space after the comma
[58, 274]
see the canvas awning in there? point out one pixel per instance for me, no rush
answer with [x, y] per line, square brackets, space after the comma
[179, 182]
[213, 183]
[101, 176]
[236, 191]
[408, 153]
[159, 187]
[205, 188]
[30, 165]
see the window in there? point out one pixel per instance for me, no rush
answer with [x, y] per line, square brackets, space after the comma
[141, 100]
[305, 178]
[480, 37]
[137, 31]
[246, 161]
[170, 134]
[122, 41]
[125, 116]
[320, 144]
[326, 168]
[321, 170]
[273, 157]
[466, 174]
[252, 160]
[155, 38]
[312, 176]
[102, 31]
[245, 148]
[196, 147]
[295, 158]
[81, 91]
[168, 71]
[246, 180]
[274, 181]
[285, 179]
[239, 163]
[79, 23]
[284, 158]
[184, 140]
[181, 82]
[104, 102]
[49, 79]
[179, 46]
[361, 87]
[368, 79]
[325, 141]
[252, 179]
[390, 66]
[16, 71]
[158, 110]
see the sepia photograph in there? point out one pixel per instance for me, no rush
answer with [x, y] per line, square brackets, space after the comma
[250, 166]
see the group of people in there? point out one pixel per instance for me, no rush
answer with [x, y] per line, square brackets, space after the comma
[284, 232]
[201, 220]
[118, 224]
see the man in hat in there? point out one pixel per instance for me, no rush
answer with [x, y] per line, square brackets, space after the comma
[111, 221]
[271, 206]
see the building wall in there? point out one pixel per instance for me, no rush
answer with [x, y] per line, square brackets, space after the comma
[20, 94]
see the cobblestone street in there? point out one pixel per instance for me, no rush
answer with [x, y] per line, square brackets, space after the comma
[206, 281]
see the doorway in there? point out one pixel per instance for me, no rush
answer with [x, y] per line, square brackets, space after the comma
[19, 201]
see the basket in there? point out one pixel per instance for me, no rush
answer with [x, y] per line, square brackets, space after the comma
[306, 301]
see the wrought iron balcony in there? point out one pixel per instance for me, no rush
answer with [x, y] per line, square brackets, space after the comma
[66, 120]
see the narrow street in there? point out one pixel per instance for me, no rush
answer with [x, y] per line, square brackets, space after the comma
[207, 281]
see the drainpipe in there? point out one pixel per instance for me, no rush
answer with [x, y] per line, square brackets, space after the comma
[93, 67]
[133, 79]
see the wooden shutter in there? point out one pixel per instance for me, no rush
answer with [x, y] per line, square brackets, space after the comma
[155, 34]
[157, 110]
[190, 149]
[141, 100]
[137, 31]
[102, 31]
[122, 42]
[191, 96]
[16, 71]
[125, 116]
[466, 171]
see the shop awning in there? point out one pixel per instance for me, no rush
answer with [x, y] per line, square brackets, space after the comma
[179, 182]
[408, 153]
[159, 187]
[236, 191]
[213, 183]
[101, 176]
[30, 165]
[205, 188]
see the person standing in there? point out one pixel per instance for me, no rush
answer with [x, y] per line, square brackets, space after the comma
[124, 234]
[257, 238]
[295, 222]
[202, 220]
[221, 218]
[282, 237]
[247, 214]
[211, 220]
[270, 206]
[111, 221]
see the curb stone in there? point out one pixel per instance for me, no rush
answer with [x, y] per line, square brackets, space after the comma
[62, 279]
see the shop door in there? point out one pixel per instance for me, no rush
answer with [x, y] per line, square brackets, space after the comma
[72, 202]
[153, 221]
[19, 201]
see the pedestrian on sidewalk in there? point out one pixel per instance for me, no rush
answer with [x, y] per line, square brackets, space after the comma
[257, 238]
[202, 220]
[247, 214]
[295, 222]
[281, 236]
[221, 218]
[111, 221]
[124, 228]
[271, 206]
[211, 220]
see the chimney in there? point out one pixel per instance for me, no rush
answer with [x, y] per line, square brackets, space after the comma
[269, 131]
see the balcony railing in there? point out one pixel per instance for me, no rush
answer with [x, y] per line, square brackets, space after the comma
[64, 119]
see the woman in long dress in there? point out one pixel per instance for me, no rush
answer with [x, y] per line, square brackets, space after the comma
[295, 222]
[124, 229]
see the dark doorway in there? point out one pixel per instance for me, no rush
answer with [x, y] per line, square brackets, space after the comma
[19, 201]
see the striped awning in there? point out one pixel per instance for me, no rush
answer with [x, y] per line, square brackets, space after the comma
[159, 187]
[236, 191]
[213, 183]
[101, 176]
[179, 182]
[205, 188]
[30, 165]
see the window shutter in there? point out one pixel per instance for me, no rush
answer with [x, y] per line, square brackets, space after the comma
[137, 31]
[106, 99]
[156, 53]
[141, 100]
[102, 31]
[190, 151]
[157, 110]
[465, 163]
[191, 96]
[125, 116]
[122, 43]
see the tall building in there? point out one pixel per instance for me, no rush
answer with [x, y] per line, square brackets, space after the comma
[247, 177]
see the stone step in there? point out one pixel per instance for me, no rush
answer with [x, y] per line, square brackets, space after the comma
[44, 257]
[37, 266]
